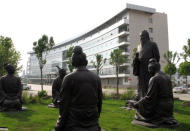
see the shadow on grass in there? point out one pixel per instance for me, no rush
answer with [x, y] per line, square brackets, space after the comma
[183, 127]
[20, 116]
[182, 111]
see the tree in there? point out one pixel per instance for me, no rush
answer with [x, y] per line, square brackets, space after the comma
[186, 49]
[117, 59]
[69, 56]
[184, 69]
[170, 69]
[8, 54]
[172, 59]
[99, 63]
[134, 53]
[41, 49]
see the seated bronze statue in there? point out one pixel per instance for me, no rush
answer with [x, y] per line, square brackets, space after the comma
[157, 106]
[10, 90]
[57, 86]
[80, 97]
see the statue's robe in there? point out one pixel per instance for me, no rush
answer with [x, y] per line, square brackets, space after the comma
[146, 52]
[10, 92]
[80, 102]
[56, 89]
[157, 106]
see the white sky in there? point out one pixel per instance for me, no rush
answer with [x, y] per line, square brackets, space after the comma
[25, 21]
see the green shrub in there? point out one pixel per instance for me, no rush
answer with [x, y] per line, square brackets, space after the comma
[109, 96]
[42, 94]
[128, 95]
[29, 98]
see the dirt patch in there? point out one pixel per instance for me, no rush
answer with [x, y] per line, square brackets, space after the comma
[186, 103]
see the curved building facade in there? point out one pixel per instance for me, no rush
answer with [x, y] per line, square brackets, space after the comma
[121, 31]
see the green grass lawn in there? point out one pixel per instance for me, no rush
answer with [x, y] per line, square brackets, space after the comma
[39, 117]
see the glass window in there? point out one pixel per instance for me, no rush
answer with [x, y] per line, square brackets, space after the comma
[149, 20]
[150, 30]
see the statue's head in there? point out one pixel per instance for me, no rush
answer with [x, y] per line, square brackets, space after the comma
[144, 36]
[9, 68]
[153, 66]
[62, 73]
[78, 57]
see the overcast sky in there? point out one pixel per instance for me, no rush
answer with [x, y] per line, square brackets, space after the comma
[25, 21]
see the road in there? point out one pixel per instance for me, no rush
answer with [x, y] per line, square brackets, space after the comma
[35, 88]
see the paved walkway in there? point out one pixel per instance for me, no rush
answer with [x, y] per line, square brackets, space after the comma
[35, 88]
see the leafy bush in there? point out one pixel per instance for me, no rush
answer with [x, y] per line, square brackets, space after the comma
[29, 98]
[109, 96]
[128, 95]
[42, 94]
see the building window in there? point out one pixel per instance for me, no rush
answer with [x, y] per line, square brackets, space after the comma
[149, 20]
[126, 79]
[150, 30]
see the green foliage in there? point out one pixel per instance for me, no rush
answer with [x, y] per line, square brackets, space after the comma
[8, 54]
[184, 68]
[42, 94]
[30, 99]
[99, 63]
[128, 95]
[186, 49]
[172, 59]
[134, 52]
[69, 56]
[170, 69]
[117, 59]
[41, 48]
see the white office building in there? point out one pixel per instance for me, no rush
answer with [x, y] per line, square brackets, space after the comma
[121, 31]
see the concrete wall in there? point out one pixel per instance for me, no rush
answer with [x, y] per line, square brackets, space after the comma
[160, 35]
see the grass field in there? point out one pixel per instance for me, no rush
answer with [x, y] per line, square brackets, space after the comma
[39, 117]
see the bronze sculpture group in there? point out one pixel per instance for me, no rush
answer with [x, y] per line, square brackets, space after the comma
[78, 95]
[154, 102]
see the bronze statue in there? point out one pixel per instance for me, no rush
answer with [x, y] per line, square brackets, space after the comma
[10, 90]
[57, 85]
[157, 106]
[80, 99]
[146, 50]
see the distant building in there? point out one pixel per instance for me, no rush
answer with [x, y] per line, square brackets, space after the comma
[180, 80]
[121, 31]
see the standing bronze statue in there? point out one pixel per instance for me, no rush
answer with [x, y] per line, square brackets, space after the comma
[80, 97]
[10, 90]
[57, 86]
[146, 50]
[157, 106]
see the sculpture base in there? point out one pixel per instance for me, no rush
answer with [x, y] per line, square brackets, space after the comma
[4, 129]
[52, 106]
[14, 110]
[54, 130]
[150, 125]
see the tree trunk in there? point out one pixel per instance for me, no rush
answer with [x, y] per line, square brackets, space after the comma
[41, 78]
[186, 80]
[97, 71]
[117, 73]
